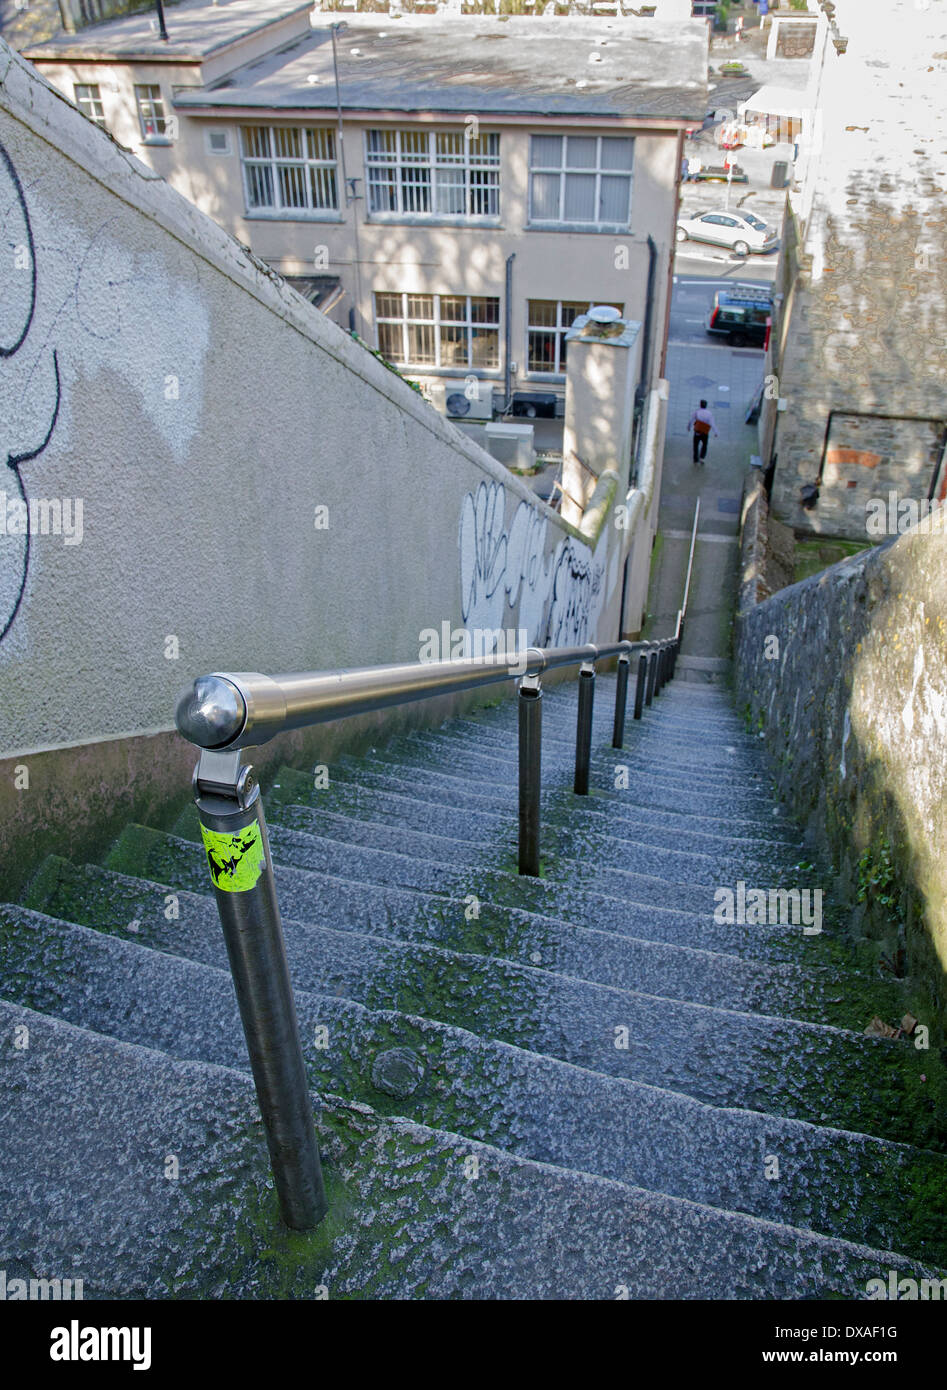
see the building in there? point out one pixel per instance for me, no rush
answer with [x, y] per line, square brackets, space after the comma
[455, 190]
[859, 347]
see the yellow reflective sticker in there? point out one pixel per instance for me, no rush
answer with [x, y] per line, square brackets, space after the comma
[236, 861]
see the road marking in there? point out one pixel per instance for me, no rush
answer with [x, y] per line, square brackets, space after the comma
[701, 536]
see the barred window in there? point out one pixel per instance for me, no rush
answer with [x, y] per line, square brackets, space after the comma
[439, 330]
[547, 322]
[581, 178]
[289, 168]
[433, 173]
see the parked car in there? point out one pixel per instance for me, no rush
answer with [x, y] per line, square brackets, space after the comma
[741, 315]
[741, 231]
[721, 173]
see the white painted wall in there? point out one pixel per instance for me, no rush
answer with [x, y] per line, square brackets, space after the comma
[202, 412]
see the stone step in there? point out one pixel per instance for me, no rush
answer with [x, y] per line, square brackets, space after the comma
[440, 1075]
[630, 805]
[497, 928]
[461, 782]
[374, 806]
[719, 1056]
[440, 1216]
[642, 742]
[384, 969]
[450, 766]
[581, 855]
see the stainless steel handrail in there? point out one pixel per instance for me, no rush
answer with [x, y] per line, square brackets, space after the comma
[226, 711]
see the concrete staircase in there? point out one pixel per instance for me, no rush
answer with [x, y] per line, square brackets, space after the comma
[578, 1086]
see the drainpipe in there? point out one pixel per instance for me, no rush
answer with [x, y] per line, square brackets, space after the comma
[508, 334]
[641, 390]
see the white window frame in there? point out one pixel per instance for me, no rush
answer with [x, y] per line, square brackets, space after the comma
[467, 161]
[164, 124]
[209, 146]
[95, 111]
[558, 328]
[272, 161]
[564, 168]
[437, 322]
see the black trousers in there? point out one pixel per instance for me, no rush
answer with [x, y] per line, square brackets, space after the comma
[700, 442]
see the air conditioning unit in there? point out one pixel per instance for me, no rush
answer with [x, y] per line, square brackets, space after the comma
[457, 405]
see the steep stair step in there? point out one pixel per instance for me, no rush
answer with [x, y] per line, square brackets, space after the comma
[388, 909]
[549, 1111]
[470, 789]
[291, 787]
[580, 856]
[720, 1056]
[407, 1218]
[388, 971]
[633, 804]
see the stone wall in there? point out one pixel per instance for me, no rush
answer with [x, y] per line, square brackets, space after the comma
[863, 346]
[845, 675]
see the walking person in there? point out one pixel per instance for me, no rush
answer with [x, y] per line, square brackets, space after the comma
[702, 422]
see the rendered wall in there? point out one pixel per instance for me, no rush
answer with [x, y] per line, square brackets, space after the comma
[257, 492]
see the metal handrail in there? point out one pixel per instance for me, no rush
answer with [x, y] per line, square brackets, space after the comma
[223, 713]
[682, 611]
[226, 711]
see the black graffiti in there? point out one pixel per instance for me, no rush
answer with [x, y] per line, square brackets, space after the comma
[14, 459]
[575, 584]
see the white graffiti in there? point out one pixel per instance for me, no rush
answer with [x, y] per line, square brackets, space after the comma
[559, 595]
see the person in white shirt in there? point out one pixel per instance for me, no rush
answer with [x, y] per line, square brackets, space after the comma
[702, 422]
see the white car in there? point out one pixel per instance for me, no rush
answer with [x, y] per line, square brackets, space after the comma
[741, 231]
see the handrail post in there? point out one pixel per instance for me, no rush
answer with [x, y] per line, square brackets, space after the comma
[530, 739]
[583, 729]
[652, 673]
[621, 700]
[663, 667]
[640, 683]
[233, 829]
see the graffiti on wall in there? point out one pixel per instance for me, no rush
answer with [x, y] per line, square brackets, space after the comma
[17, 309]
[558, 595]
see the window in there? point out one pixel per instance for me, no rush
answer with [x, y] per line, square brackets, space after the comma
[289, 168]
[431, 173]
[154, 124]
[547, 322]
[439, 330]
[89, 101]
[580, 178]
[217, 141]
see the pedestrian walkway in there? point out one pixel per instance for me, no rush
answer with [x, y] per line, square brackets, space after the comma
[727, 379]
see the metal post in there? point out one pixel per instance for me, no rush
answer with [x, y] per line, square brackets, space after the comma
[652, 673]
[641, 683]
[662, 668]
[583, 729]
[233, 829]
[531, 733]
[621, 700]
